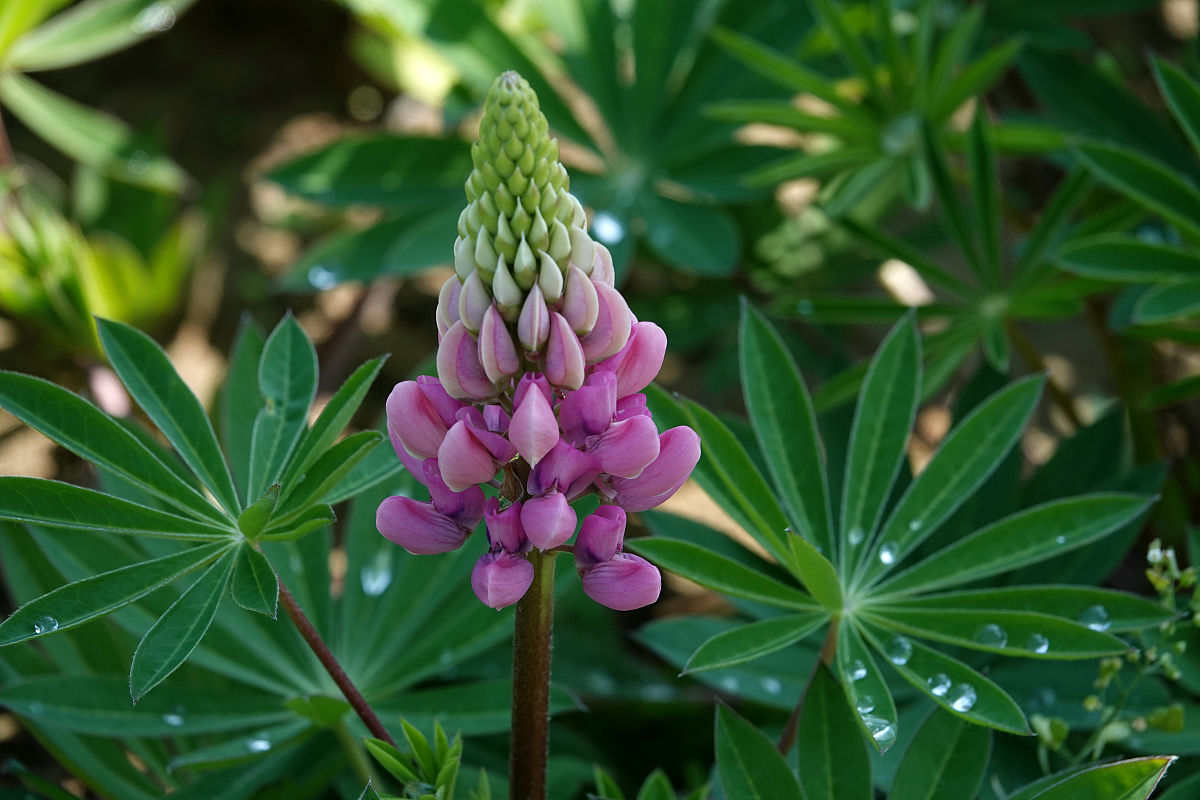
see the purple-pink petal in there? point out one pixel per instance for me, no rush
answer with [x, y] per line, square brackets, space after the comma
[533, 325]
[564, 469]
[501, 579]
[623, 583]
[600, 536]
[533, 430]
[548, 520]
[627, 447]
[581, 305]
[504, 528]
[418, 527]
[497, 353]
[464, 461]
[465, 507]
[613, 322]
[679, 451]
[564, 355]
[640, 360]
[415, 420]
[458, 366]
[589, 409]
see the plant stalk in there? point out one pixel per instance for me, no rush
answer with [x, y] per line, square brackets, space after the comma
[531, 683]
[327, 659]
[828, 651]
[1061, 397]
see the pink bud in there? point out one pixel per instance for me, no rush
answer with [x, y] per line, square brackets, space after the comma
[564, 356]
[533, 326]
[418, 527]
[415, 420]
[600, 536]
[534, 430]
[589, 409]
[532, 380]
[465, 508]
[504, 527]
[613, 321]
[602, 266]
[501, 579]
[548, 520]
[463, 459]
[447, 306]
[566, 469]
[627, 448]
[624, 583]
[473, 302]
[461, 374]
[679, 451]
[640, 360]
[497, 353]
[580, 302]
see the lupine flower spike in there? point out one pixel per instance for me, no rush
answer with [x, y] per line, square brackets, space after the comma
[540, 368]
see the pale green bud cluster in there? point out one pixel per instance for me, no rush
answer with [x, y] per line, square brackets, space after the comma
[522, 226]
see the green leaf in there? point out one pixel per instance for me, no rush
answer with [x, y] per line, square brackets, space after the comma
[1123, 258]
[606, 787]
[719, 573]
[1168, 302]
[1124, 611]
[1056, 214]
[967, 456]
[696, 239]
[475, 708]
[296, 527]
[241, 400]
[781, 112]
[255, 586]
[785, 425]
[748, 764]
[849, 47]
[946, 760]
[1183, 98]
[817, 573]
[1019, 539]
[151, 380]
[175, 635]
[327, 471]
[974, 79]
[986, 195]
[833, 759]
[949, 682]
[287, 378]
[1016, 633]
[757, 639]
[866, 688]
[62, 505]
[91, 30]
[253, 745]
[76, 603]
[99, 705]
[656, 787]
[94, 436]
[368, 793]
[1134, 779]
[370, 170]
[898, 248]
[953, 217]
[1149, 182]
[88, 136]
[883, 418]
[252, 521]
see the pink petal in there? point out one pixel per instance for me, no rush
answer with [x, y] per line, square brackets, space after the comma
[488, 427]
[602, 266]
[415, 420]
[566, 469]
[447, 407]
[679, 451]
[504, 527]
[627, 447]
[534, 430]
[613, 322]
[501, 579]
[418, 527]
[548, 520]
[600, 536]
[497, 353]
[533, 326]
[640, 360]
[463, 460]
[473, 302]
[465, 507]
[624, 583]
[447, 307]
[458, 366]
[633, 405]
[589, 409]
[564, 355]
[581, 305]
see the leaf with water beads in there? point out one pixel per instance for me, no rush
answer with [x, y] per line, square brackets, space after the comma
[948, 682]
[834, 764]
[866, 688]
[255, 744]
[1015, 633]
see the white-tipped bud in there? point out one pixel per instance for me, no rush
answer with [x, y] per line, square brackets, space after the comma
[464, 259]
[525, 265]
[560, 242]
[533, 326]
[602, 266]
[550, 278]
[473, 302]
[539, 234]
[447, 307]
[578, 215]
[582, 248]
[508, 295]
[580, 303]
[485, 254]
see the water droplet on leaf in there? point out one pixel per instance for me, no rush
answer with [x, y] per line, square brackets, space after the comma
[1037, 643]
[771, 685]
[856, 536]
[939, 684]
[865, 704]
[176, 717]
[963, 697]
[880, 729]
[899, 651]
[1096, 618]
[887, 554]
[376, 575]
[44, 625]
[991, 635]
[261, 743]
[858, 671]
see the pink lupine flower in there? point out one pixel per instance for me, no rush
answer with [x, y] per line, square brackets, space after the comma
[540, 366]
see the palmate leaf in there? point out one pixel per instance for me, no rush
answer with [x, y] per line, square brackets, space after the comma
[748, 764]
[833, 762]
[866, 688]
[287, 378]
[752, 641]
[946, 760]
[241, 400]
[1145, 180]
[1126, 259]
[254, 585]
[1134, 779]
[1122, 611]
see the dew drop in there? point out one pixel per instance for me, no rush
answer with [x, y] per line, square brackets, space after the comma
[729, 683]
[321, 278]
[36, 709]
[176, 717]
[881, 730]
[938, 684]
[656, 693]
[887, 553]
[1060, 540]
[261, 743]
[772, 686]
[899, 651]
[376, 575]
[865, 704]
[155, 18]
[805, 307]
[915, 525]
[858, 670]
[1037, 643]
[963, 697]
[602, 683]
[1096, 618]
[991, 635]
[856, 536]
[44, 625]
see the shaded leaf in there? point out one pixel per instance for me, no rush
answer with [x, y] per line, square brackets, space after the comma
[754, 640]
[833, 757]
[748, 764]
[255, 586]
[946, 760]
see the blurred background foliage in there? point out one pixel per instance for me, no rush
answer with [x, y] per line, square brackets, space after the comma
[1025, 174]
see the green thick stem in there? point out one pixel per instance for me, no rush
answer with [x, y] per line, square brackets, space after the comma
[531, 683]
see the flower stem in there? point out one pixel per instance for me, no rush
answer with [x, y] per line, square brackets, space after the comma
[531, 683]
[325, 655]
